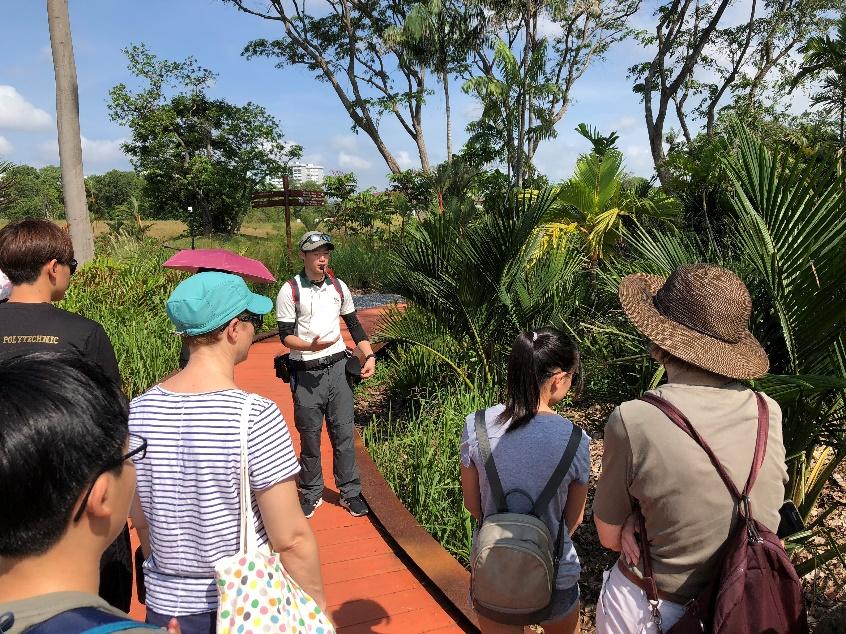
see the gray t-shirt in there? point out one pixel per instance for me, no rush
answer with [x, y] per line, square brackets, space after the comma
[525, 459]
[29, 612]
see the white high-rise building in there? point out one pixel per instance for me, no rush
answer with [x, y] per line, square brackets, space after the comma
[302, 172]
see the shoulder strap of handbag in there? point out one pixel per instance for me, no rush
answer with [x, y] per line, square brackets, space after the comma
[493, 476]
[248, 537]
[682, 422]
[86, 620]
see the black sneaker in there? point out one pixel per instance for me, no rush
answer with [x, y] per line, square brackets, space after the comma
[309, 506]
[356, 506]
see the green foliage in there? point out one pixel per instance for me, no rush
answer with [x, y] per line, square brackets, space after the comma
[597, 198]
[127, 296]
[418, 457]
[479, 281]
[110, 194]
[32, 193]
[195, 151]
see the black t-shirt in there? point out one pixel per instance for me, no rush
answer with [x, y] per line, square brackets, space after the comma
[26, 328]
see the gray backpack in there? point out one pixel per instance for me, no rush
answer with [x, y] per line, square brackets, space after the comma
[514, 563]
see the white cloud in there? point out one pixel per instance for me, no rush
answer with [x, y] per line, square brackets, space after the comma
[345, 142]
[404, 159]
[95, 151]
[5, 146]
[625, 123]
[16, 113]
[548, 28]
[102, 151]
[353, 161]
[472, 111]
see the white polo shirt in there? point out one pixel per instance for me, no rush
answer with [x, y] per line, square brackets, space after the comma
[320, 310]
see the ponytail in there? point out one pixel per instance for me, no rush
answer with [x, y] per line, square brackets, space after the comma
[535, 357]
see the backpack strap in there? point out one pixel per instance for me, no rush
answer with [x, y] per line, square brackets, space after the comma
[681, 421]
[337, 286]
[648, 583]
[552, 486]
[86, 620]
[490, 468]
[560, 472]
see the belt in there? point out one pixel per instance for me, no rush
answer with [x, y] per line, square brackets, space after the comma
[643, 585]
[318, 364]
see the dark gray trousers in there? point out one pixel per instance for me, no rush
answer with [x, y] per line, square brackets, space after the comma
[320, 394]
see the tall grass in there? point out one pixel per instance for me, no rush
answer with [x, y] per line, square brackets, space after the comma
[419, 458]
[126, 293]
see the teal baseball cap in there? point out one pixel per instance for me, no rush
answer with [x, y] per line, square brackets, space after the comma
[206, 301]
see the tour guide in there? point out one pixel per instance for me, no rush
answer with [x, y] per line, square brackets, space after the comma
[308, 307]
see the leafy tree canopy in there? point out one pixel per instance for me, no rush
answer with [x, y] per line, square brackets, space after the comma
[32, 193]
[194, 151]
[111, 192]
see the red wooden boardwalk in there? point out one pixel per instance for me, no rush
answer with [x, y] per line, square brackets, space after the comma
[369, 588]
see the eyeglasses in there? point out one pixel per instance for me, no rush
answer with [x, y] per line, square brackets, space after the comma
[137, 451]
[316, 237]
[255, 320]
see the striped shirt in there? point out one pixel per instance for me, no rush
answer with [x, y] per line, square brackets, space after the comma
[188, 484]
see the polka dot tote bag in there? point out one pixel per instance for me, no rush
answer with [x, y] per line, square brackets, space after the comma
[255, 592]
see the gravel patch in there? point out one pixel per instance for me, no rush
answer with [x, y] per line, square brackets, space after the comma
[373, 300]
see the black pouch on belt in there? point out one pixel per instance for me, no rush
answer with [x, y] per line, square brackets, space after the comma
[282, 367]
[353, 368]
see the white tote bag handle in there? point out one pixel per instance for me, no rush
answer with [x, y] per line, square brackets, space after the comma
[249, 538]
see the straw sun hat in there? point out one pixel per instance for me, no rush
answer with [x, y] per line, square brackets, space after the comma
[699, 314]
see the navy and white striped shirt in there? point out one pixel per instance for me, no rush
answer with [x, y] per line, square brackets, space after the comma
[188, 484]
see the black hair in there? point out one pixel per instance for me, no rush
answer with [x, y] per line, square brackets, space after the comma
[535, 357]
[63, 420]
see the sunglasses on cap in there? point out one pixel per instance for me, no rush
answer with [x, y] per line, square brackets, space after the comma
[255, 320]
[316, 237]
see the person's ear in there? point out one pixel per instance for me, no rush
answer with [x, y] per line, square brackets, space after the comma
[101, 501]
[52, 269]
[232, 330]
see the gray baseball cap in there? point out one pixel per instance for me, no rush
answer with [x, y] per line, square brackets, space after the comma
[314, 239]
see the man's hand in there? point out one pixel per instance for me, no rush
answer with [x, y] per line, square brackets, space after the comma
[368, 368]
[317, 345]
[173, 627]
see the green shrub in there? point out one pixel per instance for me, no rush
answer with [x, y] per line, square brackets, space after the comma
[127, 296]
[419, 458]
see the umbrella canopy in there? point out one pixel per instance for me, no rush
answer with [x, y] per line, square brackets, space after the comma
[191, 260]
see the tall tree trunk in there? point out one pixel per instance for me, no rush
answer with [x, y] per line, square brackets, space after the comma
[70, 141]
[445, 81]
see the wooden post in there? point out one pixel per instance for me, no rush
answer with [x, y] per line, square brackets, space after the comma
[288, 236]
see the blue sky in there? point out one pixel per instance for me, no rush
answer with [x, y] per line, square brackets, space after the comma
[309, 112]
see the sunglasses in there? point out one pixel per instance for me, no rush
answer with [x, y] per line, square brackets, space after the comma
[316, 237]
[72, 265]
[255, 320]
[137, 451]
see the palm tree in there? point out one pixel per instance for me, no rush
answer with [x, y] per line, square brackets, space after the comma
[474, 281]
[70, 141]
[441, 34]
[826, 56]
[596, 199]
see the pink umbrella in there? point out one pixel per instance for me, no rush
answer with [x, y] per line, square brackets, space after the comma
[191, 260]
